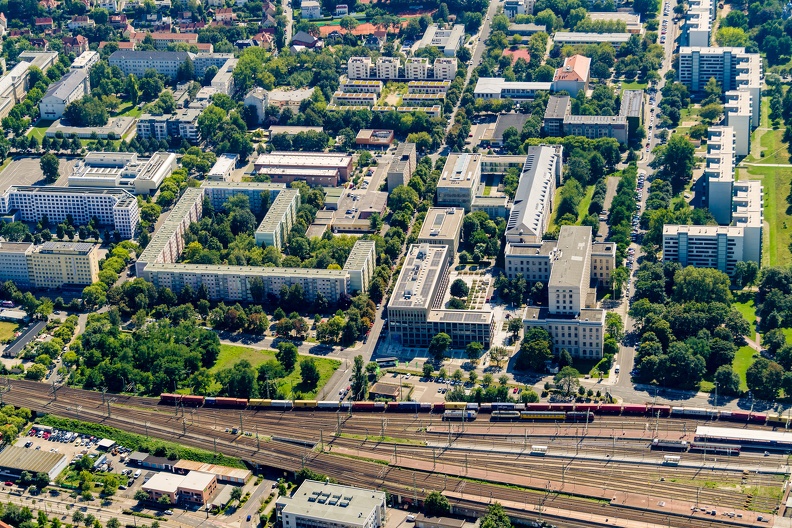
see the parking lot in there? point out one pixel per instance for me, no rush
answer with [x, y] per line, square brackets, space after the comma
[27, 171]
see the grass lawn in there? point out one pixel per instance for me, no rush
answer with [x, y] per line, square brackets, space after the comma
[634, 86]
[232, 354]
[128, 110]
[776, 182]
[40, 129]
[582, 206]
[744, 302]
[742, 360]
[7, 330]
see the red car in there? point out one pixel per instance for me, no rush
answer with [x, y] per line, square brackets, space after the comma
[8, 483]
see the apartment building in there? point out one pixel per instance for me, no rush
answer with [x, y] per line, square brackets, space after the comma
[223, 81]
[360, 86]
[115, 208]
[739, 111]
[354, 98]
[573, 75]
[574, 38]
[500, 88]
[632, 21]
[56, 264]
[291, 98]
[731, 67]
[512, 8]
[310, 9]
[458, 181]
[422, 99]
[360, 265]
[748, 213]
[697, 28]
[13, 87]
[428, 87]
[223, 167]
[402, 166]
[719, 247]
[719, 172]
[447, 40]
[72, 86]
[533, 201]
[14, 263]
[416, 68]
[138, 62]
[85, 61]
[442, 226]
[279, 220]
[359, 67]
[258, 99]
[124, 170]
[571, 317]
[324, 505]
[445, 68]
[559, 121]
[182, 123]
[414, 309]
[388, 67]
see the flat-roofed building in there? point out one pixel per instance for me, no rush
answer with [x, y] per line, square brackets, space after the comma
[571, 317]
[278, 221]
[115, 208]
[574, 38]
[360, 86]
[458, 181]
[16, 460]
[57, 264]
[354, 98]
[739, 111]
[414, 313]
[223, 81]
[124, 170]
[632, 108]
[748, 213]
[428, 87]
[14, 263]
[85, 61]
[503, 123]
[223, 167]
[195, 487]
[631, 20]
[324, 505]
[359, 67]
[402, 166]
[291, 98]
[719, 247]
[719, 172]
[291, 130]
[422, 99]
[533, 201]
[374, 138]
[163, 485]
[313, 177]
[258, 98]
[731, 67]
[559, 122]
[447, 40]
[182, 123]
[388, 67]
[416, 68]
[526, 30]
[305, 160]
[13, 86]
[697, 28]
[360, 264]
[442, 226]
[445, 68]
[224, 474]
[500, 88]
[557, 110]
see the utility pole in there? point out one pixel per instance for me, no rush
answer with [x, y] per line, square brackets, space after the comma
[184, 426]
[321, 440]
[382, 430]
[147, 424]
[111, 400]
[54, 391]
[258, 440]
[241, 425]
[104, 390]
[3, 390]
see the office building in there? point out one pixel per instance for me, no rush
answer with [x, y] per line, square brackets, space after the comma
[458, 181]
[72, 86]
[182, 123]
[719, 247]
[388, 67]
[114, 208]
[559, 121]
[571, 317]
[370, 138]
[534, 261]
[124, 170]
[14, 263]
[305, 160]
[574, 38]
[194, 488]
[13, 87]
[53, 265]
[279, 220]
[442, 226]
[533, 201]
[402, 166]
[445, 68]
[85, 61]
[416, 68]
[719, 172]
[414, 309]
[258, 99]
[447, 40]
[359, 67]
[223, 167]
[574, 75]
[360, 265]
[499, 88]
[632, 109]
[324, 505]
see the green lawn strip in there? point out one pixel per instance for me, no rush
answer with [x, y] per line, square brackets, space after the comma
[742, 360]
[7, 331]
[744, 302]
[386, 439]
[585, 202]
[634, 86]
[40, 129]
[776, 182]
[138, 442]
[232, 354]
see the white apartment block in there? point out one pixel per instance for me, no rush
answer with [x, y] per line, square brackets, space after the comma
[448, 40]
[719, 172]
[278, 221]
[112, 6]
[223, 167]
[748, 213]
[445, 68]
[55, 264]
[138, 62]
[310, 9]
[13, 87]
[697, 65]
[428, 87]
[14, 263]
[360, 86]
[739, 111]
[73, 86]
[359, 67]
[223, 81]
[416, 68]
[697, 28]
[85, 61]
[115, 208]
[388, 67]
[533, 201]
[258, 99]
[360, 265]
[571, 318]
[719, 247]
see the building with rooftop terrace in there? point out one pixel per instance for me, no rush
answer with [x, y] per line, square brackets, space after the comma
[740, 116]
[360, 264]
[325, 505]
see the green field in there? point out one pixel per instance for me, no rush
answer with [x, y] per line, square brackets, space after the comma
[232, 354]
[742, 360]
[128, 110]
[634, 86]
[40, 129]
[7, 331]
[583, 206]
[776, 182]
[744, 302]
[768, 141]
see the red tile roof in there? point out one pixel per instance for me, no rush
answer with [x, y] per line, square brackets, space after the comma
[575, 68]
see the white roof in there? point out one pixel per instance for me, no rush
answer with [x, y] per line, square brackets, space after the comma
[196, 480]
[733, 433]
[164, 482]
[106, 443]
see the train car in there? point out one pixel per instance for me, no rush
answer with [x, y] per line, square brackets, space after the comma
[669, 445]
[328, 405]
[472, 406]
[634, 409]
[659, 410]
[346, 405]
[583, 407]
[724, 415]
[258, 403]
[362, 406]
[543, 416]
[562, 407]
[692, 412]
[210, 401]
[715, 449]
[407, 407]
[577, 416]
[305, 404]
[735, 416]
[379, 406]
[455, 406]
[438, 407]
[425, 407]
[486, 408]
[537, 406]
[505, 416]
[502, 406]
[192, 400]
[519, 406]
[283, 405]
[777, 419]
[758, 418]
[170, 399]
[231, 403]
[461, 415]
[609, 408]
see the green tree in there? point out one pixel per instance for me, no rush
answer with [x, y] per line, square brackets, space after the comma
[459, 288]
[436, 504]
[675, 161]
[428, 370]
[236, 493]
[614, 325]
[438, 346]
[286, 355]
[514, 326]
[703, 285]
[140, 496]
[309, 372]
[536, 349]
[495, 517]
[359, 380]
[764, 378]
[728, 381]
[567, 380]
[473, 351]
[50, 167]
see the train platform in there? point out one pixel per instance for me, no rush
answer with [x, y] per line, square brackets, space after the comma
[563, 430]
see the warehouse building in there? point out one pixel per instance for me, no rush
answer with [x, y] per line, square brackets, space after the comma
[224, 474]
[14, 460]
[325, 505]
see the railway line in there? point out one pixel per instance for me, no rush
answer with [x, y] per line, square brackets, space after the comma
[205, 428]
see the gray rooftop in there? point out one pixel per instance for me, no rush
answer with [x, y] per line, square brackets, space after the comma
[506, 121]
[360, 252]
[149, 55]
[420, 276]
[442, 223]
[574, 242]
[557, 107]
[333, 502]
[30, 460]
[66, 247]
[68, 83]
[631, 103]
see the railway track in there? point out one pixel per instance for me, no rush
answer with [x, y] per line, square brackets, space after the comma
[203, 429]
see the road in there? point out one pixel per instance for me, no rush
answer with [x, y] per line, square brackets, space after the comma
[287, 11]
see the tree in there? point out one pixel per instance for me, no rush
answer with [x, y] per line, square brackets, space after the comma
[565, 358]
[459, 288]
[236, 493]
[359, 380]
[774, 340]
[675, 161]
[436, 504]
[732, 37]
[614, 325]
[41, 480]
[428, 370]
[348, 23]
[287, 355]
[567, 380]
[309, 372]
[514, 326]
[728, 381]
[473, 351]
[536, 349]
[764, 378]
[50, 167]
[703, 285]
[438, 346]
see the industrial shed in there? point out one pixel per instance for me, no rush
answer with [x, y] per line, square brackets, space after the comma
[15, 460]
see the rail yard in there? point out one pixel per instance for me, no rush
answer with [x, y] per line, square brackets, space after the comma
[570, 474]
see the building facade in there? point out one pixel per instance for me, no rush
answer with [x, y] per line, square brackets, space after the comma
[324, 505]
[73, 86]
[56, 264]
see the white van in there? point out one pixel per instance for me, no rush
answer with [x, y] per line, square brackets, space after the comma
[137, 474]
[616, 370]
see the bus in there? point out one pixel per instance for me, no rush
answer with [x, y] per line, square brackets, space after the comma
[387, 362]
